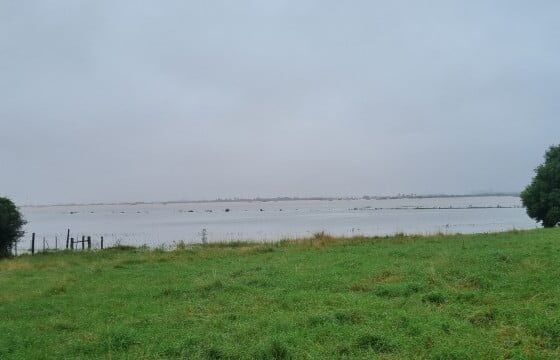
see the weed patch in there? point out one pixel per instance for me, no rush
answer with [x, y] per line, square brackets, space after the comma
[214, 353]
[119, 340]
[56, 290]
[212, 286]
[350, 317]
[483, 318]
[377, 343]
[276, 351]
[435, 298]
[451, 354]
[397, 290]
[549, 332]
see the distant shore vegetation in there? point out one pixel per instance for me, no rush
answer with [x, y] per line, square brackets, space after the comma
[287, 198]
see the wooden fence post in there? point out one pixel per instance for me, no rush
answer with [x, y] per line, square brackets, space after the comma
[56, 242]
[83, 241]
[67, 238]
[89, 242]
[71, 243]
[101, 242]
[33, 244]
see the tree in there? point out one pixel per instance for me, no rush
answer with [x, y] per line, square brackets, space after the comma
[542, 196]
[11, 223]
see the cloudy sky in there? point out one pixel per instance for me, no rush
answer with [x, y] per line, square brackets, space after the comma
[105, 101]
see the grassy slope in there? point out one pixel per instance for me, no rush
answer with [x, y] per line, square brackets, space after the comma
[443, 297]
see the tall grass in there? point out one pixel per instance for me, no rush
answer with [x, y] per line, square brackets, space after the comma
[489, 296]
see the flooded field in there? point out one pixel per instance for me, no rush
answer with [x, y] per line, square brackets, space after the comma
[165, 224]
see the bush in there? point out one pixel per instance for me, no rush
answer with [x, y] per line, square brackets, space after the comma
[11, 223]
[542, 196]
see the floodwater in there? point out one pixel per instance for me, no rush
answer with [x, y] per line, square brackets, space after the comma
[165, 224]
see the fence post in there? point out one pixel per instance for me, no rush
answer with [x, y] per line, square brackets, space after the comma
[33, 244]
[67, 238]
[83, 241]
[89, 242]
[101, 242]
[56, 242]
[204, 236]
[71, 243]
[43, 244]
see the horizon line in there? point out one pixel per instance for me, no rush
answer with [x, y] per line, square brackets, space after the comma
[285, 198]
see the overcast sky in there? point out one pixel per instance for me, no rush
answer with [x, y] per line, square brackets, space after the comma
[105, 101]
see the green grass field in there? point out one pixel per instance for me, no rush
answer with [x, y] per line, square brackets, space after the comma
[494, 296]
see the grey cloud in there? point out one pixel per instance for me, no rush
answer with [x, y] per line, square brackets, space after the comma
[148, 100]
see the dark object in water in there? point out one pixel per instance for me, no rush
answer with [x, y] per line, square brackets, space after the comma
[227, 210]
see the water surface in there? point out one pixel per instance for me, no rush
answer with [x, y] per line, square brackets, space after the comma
[165, 224]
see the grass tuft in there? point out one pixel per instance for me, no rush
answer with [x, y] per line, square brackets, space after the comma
[276, 351]
[377, 343]
[118, 340]
[435, 298]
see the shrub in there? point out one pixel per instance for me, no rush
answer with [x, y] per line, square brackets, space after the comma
[11, 223]
[542, 196]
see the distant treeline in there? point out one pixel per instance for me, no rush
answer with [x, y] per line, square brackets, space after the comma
[288, 198]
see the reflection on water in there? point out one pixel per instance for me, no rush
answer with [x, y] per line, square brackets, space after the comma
[164, 224]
